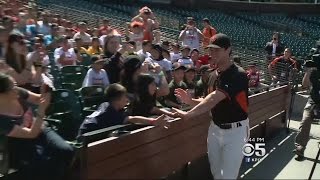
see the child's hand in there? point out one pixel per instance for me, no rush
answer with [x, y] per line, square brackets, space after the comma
[159, 120]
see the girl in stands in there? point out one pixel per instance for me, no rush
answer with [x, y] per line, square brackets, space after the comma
[36, 150]
[23, 73]
[144, 103]
[95, 48]
[132, 68]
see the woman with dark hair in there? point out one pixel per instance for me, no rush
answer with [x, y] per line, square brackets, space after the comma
[114, 65]
[129, 74]
[21, 70]
[36, 150]
[144, 103]
[95, 48]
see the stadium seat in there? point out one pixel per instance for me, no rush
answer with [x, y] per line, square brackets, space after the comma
[64, 113]
[91, 98]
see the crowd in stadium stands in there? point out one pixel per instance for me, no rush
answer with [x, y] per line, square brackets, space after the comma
[139, 75]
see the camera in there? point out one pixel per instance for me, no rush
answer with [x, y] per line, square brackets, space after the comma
[314, 62]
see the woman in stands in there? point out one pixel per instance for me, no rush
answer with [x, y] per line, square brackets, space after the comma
[131, 69]
[144, 103]
[36, 150]
[95, 48]
[113, 51]
[21, 70]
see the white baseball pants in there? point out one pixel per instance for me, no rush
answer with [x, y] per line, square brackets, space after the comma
[225, 149]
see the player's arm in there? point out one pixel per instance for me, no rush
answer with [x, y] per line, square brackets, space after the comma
[206, 104]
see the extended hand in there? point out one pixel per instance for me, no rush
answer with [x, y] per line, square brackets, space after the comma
[180, 113]
[183, 96]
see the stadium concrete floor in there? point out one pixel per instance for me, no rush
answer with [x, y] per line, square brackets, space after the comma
[280, 163]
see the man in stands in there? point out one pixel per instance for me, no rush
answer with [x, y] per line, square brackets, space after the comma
[274, 48]
[280, 68]
[175, 55]
[44, 26]
[144, 53]
[86, 38]
[105, 29]
[149, 21]
[191, 35]
[65, 55]
[208, 32]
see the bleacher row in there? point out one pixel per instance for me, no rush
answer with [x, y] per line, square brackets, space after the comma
[246, 31]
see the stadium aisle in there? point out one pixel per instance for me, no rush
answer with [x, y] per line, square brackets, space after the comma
[280, 162]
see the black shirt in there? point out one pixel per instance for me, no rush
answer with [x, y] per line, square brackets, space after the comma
[233, 82]
[104, 117]
[315, 87]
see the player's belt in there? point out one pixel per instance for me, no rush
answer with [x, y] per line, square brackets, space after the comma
[230, 125]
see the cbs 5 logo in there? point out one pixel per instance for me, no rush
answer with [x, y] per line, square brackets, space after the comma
[257, 149]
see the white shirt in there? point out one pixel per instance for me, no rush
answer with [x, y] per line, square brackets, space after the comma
[143, 55]
[191, 38]
[70, 57]
[175, 57]
[86, 38]
[93, 77]
[45, 60]
[274, 48]
[43, 28]
[138, 38]
[165, 64]
[185, 61]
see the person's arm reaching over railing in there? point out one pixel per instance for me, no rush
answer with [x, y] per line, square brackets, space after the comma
[204, 106]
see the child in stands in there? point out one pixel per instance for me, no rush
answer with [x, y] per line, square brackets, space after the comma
[112, 113]
[96, 76]
[144, 103]
[175, 55]
[254, 79]
[177, 82]
[185, 60]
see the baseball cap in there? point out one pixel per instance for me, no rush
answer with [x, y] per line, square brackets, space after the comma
[175, 45]
[177, 66]
[96, 59]
[190, 68]
[157, 47]
[185, 47]
[204, 68]
[132, 62]
[190, 18]
[219, 41]
[194, 49]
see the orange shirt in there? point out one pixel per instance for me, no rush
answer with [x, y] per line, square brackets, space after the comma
[207, 34]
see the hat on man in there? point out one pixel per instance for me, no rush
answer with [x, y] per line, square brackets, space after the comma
[157, 47]
[132, 62]
[185, 47]
[205, 68]
[96, 59]
[219, 41]
[177, 66]
[190, 68]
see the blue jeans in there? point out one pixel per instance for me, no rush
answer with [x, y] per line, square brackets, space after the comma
[45, 157]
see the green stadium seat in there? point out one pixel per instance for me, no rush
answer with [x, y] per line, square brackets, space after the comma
[64, 113]
[91, 98]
